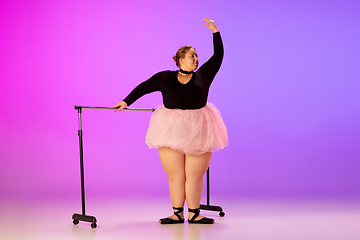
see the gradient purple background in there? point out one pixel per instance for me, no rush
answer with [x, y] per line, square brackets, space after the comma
[288, 91]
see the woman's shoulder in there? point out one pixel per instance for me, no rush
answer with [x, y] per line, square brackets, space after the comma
[167, 72]
[162, 77]
[164, 74]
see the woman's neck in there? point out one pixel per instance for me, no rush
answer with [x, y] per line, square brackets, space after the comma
[184, 72]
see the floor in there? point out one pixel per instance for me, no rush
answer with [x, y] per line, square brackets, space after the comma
[136, 218]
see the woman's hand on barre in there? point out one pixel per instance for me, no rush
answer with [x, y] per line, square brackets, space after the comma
[120, 106]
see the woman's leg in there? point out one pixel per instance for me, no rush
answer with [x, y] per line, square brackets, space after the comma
[174, 165]
[195, 168]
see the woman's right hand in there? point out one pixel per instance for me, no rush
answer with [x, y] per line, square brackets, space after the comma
[120, 106]
[211, 25]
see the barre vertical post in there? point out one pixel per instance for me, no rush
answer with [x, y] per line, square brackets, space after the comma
[208, 187]
[81, 164]
[209, 207]
[82, 217]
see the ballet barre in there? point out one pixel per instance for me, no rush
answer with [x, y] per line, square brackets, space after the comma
[109, 108]
[87, 218]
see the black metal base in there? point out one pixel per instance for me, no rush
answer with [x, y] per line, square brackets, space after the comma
[85, 218]
[213, 208]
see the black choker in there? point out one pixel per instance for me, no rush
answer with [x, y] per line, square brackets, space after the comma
[185, 72]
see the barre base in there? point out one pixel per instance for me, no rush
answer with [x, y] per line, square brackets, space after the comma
[84, 218]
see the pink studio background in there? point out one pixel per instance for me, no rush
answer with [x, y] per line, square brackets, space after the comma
[288, 91]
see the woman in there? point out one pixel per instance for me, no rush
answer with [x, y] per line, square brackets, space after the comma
[187, 129]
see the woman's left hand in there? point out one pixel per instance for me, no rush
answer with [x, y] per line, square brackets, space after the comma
[120, 106]
[211, 24]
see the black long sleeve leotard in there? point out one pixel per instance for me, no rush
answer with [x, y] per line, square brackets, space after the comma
[192, 95]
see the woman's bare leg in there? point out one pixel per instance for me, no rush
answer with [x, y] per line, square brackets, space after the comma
[174, 165]
[195, 168]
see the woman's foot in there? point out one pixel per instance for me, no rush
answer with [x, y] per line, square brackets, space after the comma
[195, 217]
[177, 217]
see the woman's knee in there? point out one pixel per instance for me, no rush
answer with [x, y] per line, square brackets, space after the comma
[196, 176]
[176, 178]
[197, 164]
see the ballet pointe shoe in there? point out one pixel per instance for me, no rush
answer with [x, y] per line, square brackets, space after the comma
[203, 220]
[172, 221]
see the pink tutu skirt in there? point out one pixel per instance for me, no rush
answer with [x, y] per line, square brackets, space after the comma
[188, 131]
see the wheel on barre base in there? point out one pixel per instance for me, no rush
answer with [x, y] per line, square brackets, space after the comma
[93, 225]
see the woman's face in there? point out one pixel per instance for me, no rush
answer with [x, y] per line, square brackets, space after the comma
[190, 61]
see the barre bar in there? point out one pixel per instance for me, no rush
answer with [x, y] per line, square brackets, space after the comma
[108, 108]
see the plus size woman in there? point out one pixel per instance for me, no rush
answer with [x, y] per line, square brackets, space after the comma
[186, 129]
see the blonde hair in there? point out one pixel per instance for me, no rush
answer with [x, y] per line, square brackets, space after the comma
[181, 54]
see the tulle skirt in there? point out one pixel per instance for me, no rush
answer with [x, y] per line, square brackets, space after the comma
[188, 131]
